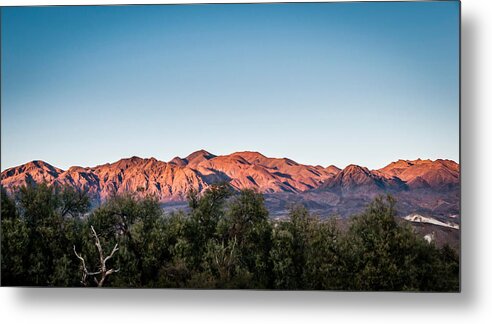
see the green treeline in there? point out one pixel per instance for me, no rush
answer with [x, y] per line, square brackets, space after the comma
[226, 240]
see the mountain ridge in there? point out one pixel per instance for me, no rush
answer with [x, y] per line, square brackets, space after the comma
[171, 181]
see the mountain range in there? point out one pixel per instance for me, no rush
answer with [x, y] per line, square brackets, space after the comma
[423, 186]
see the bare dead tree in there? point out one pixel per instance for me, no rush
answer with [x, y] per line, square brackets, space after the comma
[103, 271]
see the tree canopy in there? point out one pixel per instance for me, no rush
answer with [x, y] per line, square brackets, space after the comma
[225, 240]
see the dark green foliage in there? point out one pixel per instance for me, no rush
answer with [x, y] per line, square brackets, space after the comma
[15, 239]
[9, 210]
[226, 240]
[246, 225]
[137, 225]
[37, 238]
[381, 255]
[206, 212]
[305, 253]
[323, 257]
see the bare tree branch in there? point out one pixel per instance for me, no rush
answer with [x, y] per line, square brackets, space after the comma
[99, 248]
[102, 262]
[83, 268]
[112, 253]
[112, 271]
[78, 256]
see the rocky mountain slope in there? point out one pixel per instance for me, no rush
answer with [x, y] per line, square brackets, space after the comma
[420, 185]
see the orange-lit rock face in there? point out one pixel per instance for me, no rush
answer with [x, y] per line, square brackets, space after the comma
[35, 171]
[424, 173]
[172, 181]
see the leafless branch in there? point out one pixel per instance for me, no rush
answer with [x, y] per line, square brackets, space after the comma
[112, 253]
[102, 262]
[83, 267]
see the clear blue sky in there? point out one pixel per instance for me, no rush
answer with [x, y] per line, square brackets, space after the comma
[326, 83]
